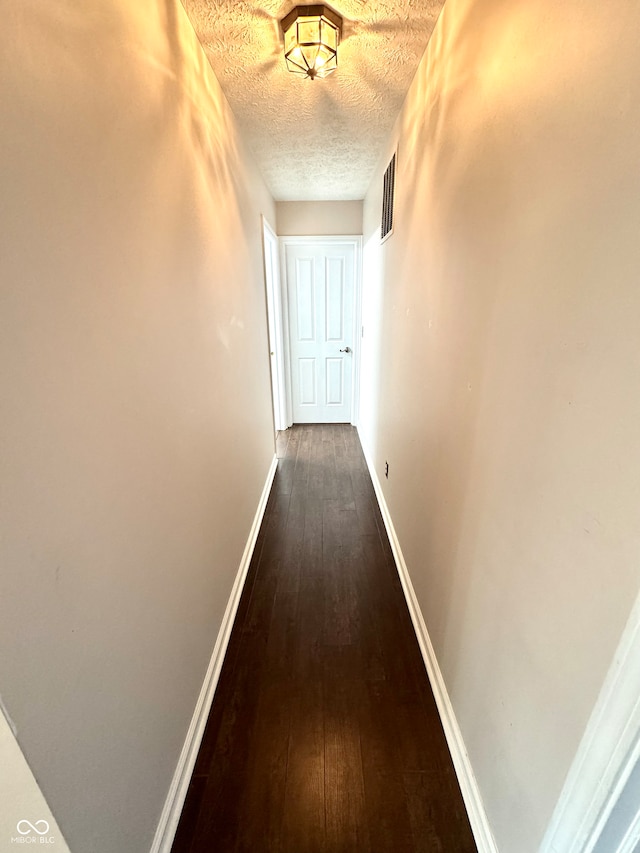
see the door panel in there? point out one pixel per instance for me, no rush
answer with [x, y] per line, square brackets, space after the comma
[305, 300]
[321, 292]
[335, 382]
[308, 384]
[335, 299]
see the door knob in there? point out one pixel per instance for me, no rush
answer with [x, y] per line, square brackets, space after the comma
[346, 349]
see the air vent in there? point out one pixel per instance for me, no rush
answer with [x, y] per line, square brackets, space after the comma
[387, 200]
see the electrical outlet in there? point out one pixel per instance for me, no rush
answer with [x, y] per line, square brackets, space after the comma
[386, 470]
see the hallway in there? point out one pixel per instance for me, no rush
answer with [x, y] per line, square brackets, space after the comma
[324, 734]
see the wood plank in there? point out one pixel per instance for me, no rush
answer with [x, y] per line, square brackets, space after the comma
[303, 827]
[347, 825]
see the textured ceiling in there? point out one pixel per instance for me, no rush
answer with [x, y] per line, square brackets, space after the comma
[320, 139]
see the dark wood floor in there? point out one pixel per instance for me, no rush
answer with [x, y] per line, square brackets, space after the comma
[324, 735]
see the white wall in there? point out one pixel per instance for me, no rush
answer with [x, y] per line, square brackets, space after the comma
[500, 374]
[136, 426]
[318, 218]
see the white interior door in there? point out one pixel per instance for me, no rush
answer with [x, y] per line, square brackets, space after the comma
[320, 293]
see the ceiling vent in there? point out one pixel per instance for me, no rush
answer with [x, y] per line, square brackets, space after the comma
[388, 192]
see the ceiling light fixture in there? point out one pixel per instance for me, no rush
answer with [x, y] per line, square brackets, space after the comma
[311, 37]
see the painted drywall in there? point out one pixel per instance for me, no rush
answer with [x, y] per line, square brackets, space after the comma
[136, 426]
[318, 218]
[500, 374]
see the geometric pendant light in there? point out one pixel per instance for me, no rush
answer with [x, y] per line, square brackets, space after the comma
[311, 37]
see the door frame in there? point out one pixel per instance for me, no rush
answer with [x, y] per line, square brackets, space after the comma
[273, 300]
[354, 240]
[606, 756]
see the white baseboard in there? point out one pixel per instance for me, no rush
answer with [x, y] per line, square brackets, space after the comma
[170, 816]
[461, 762]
